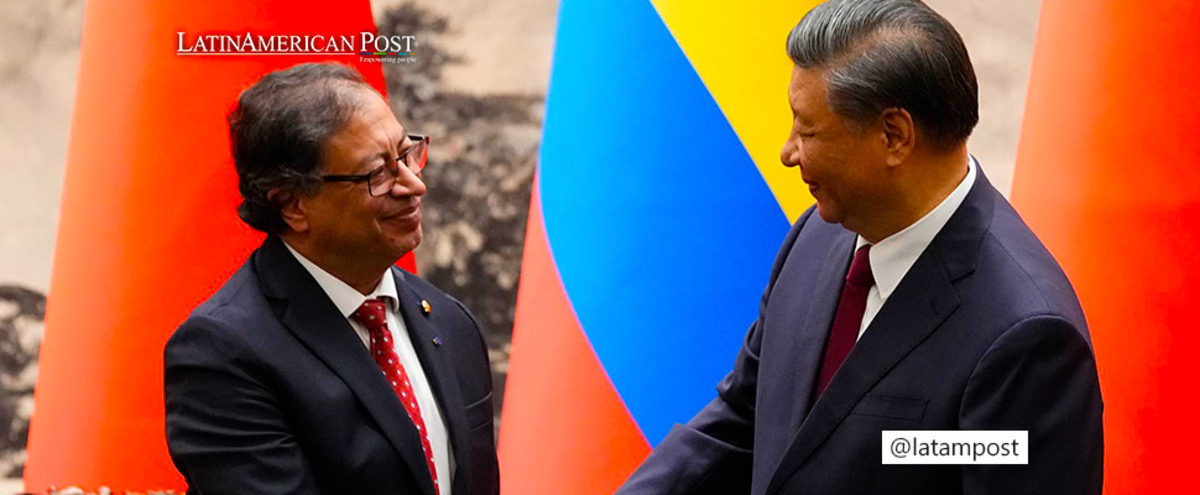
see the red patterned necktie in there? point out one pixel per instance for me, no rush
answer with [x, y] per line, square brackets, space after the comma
[372, 316]
[851, 306]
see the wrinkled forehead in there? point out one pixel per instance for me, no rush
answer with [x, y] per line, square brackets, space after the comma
[807, 87]
[371, 130]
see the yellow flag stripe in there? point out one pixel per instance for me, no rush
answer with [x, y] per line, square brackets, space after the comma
[739, 53]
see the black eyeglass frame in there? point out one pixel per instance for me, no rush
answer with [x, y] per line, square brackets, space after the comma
[419, 141]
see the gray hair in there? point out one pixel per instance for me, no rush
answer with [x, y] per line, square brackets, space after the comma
[880, 54]
[278, 129]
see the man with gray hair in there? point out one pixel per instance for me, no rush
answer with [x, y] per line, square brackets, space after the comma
[910, 297]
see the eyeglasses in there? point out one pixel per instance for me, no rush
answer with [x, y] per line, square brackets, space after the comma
[383, 178]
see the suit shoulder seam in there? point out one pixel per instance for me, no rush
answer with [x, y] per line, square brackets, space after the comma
[1025, 272]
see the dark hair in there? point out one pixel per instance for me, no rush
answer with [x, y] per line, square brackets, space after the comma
[881, 54]
[278, 128]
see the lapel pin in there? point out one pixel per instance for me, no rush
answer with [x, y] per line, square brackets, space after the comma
[425, 308]
[437, 341]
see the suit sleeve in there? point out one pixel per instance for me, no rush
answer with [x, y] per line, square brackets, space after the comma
[225, 431]
[713, 453]
[484, 468]
[1040, 376]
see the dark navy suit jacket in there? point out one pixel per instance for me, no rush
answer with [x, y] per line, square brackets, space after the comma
[270, 391]
[983, 333]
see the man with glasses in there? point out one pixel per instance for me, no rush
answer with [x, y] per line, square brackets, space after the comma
[320, 367]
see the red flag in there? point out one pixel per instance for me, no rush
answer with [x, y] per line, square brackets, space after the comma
[148, 227]
[1106, 175]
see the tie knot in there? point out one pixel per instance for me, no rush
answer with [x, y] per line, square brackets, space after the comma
[371, 314]
[860, 268]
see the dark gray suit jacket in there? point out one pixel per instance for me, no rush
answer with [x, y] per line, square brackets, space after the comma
[269, 391]
[983, 333]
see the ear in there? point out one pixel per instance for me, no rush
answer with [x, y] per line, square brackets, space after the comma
[291, 208]
[899, 135]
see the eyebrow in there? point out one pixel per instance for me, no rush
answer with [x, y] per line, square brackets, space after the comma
[405, 149]
[799, 119]
[371, 158]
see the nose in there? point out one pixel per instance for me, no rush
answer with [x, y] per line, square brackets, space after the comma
[790, 154]
[408, 183]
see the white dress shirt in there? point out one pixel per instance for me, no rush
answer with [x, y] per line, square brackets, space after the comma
[348, 300]
[892, 257]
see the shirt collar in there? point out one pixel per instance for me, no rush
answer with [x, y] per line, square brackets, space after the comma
[893, 256]
[345, 297]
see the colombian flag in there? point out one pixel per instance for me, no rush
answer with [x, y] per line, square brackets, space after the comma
[657, 210]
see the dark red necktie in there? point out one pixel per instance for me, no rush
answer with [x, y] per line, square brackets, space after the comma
[372, 316]
[851, 306]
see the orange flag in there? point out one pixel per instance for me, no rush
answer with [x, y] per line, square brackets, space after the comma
[1107, 176]
[148, 227]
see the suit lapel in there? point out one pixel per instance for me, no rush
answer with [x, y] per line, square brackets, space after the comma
[919, 304]
[311, 316]
[924, 299]
[438, 370]
[810, 346]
